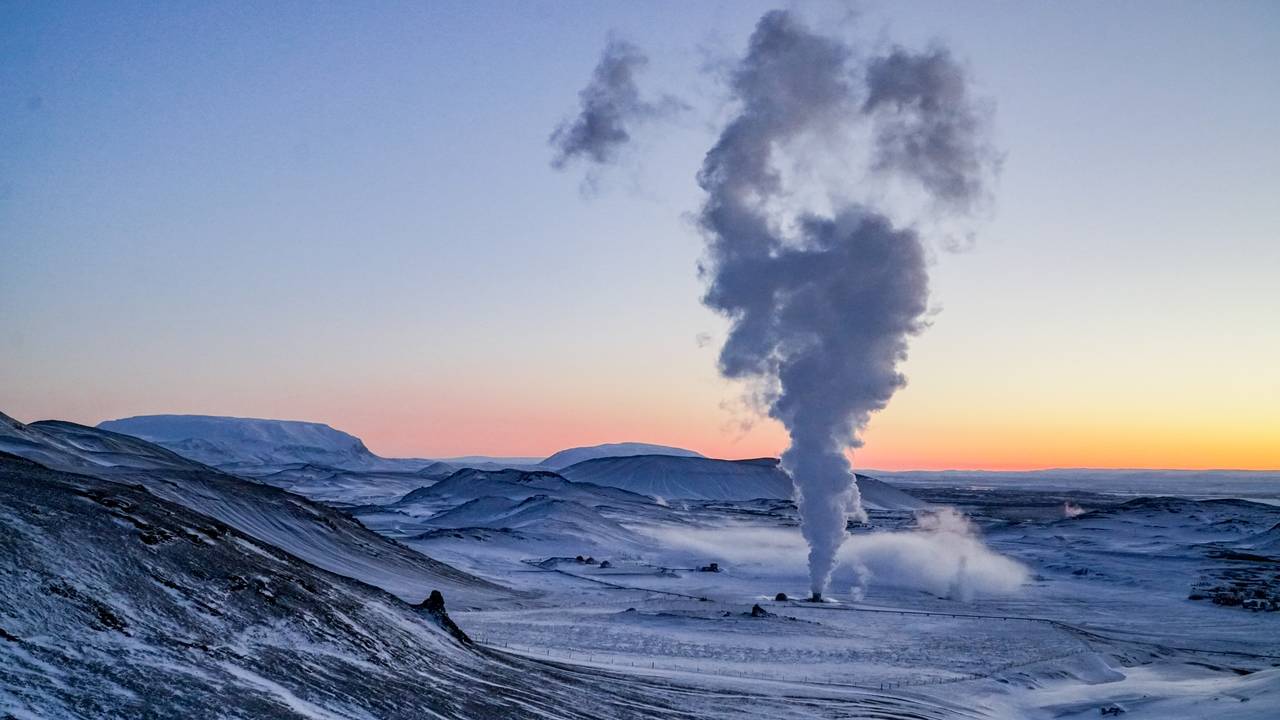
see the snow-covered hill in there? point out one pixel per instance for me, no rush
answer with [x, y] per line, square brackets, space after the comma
[707, 479]
[573, 456]
[309, 530]
[234, 443]
[470, 484]
[339, 488]
[539, 515]
[70, 446]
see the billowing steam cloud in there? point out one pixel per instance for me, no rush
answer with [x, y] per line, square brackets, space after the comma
[944, 555]
[822, 304]
[610, 106]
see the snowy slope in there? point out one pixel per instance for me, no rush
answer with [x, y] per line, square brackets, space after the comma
[573, 456]
[539, 514]
[309, 530]
[883, 496]
[114, 603]
[1264, 543]
[228, 442]
[686, 478]
[338, 487]
[510, 515]
[708, 479]
[76, 446]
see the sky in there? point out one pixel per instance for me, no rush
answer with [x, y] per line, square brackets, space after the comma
[346, 213]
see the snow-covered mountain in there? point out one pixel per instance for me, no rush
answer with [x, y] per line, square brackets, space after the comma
[696, 478]
[573, 456]
[237, 443]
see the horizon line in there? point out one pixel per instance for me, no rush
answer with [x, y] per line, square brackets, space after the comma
[464, 455]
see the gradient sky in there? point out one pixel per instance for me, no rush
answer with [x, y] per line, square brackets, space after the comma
[345, 213]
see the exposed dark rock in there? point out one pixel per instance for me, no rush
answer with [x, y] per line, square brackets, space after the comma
[434, 607]
[103, 617]
[108, 618]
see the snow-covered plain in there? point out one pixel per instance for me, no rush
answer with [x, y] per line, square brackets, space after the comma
[591, 591]
[1015, 606]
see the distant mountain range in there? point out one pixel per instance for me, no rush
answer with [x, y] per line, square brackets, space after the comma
[254, 445]
[317, 460]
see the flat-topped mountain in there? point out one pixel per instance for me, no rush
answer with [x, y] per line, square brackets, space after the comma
[231, 442]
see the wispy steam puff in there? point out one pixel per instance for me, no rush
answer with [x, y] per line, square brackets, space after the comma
[926, 126]
[610, 107]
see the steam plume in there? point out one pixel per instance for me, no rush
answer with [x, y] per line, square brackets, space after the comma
[610, 105]
[821, 305]
[926, 127]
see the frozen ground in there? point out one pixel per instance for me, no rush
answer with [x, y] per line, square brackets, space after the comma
[995, 599]
[116, 604]
[1099, 613]
[141, 585]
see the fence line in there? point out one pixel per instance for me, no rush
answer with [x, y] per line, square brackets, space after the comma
[586, 657]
